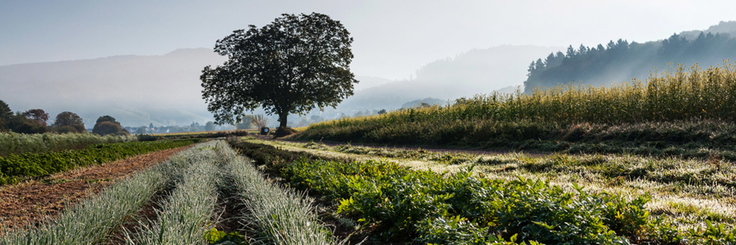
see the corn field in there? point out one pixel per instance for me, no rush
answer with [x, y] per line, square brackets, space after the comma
[674, 95]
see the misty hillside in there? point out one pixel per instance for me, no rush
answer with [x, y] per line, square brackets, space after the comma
[165, 89]
[473, 72]
[136, 90]
[621, 61]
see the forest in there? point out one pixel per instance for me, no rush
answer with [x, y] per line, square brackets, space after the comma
[621, 61]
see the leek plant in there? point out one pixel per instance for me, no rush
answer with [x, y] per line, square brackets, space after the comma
[280, 216]
[93, 220]
[186, 215]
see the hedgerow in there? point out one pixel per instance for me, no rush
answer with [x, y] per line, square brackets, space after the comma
[15, 168]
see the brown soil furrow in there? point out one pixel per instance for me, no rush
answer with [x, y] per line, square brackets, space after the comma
[34, 201]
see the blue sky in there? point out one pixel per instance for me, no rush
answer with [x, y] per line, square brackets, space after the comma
[392, 38]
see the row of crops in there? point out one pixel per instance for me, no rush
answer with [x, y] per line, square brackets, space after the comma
[690, 108]
[15, 143]
[401, 205]
[17, 167]
[193, 183]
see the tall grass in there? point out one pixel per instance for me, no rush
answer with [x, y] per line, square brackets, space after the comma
[187, 212]
[280, 216]
[675, 95]
[92, 221]
[14, 143]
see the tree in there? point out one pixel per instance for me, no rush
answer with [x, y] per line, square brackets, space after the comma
[108, 125]
[70, 119]
[209, 126]
[37, 115]
[106, 118]
[293, 65]
[5, 115]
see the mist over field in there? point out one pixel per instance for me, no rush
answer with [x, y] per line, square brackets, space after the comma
[137, 90]
[140, 62]
[165, 89]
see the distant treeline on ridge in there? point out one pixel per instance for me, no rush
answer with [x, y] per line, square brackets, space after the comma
[622, 61]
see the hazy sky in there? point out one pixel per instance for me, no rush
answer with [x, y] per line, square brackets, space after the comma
[393, 38]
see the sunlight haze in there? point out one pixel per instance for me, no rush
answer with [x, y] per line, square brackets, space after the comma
[392, 38]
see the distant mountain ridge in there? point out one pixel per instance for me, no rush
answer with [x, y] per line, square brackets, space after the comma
[478, 71]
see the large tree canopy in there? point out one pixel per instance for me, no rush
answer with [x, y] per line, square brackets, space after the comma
[293, 65]
[70, 119]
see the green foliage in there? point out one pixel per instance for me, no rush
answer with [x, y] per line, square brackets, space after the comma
[14, 143]
[16, 167]
[280, 215]
[213, 236]
[185, 215]
[292, 65]
[19, 123]
[69, 122]
[95, 218]
[601, 65]
[105, 128]
[429, 207]
[270, 157]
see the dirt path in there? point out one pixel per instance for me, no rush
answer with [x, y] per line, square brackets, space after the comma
[34, 201]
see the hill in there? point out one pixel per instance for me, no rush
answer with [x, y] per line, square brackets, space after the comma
[621, 61]
[136, 90]
[465, 75]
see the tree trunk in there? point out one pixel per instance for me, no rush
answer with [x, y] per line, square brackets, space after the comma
[282, 120]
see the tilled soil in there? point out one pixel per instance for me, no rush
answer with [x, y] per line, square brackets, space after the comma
[34, 201]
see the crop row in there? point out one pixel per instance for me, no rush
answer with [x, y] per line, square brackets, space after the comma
[15, 168]
[404, 205]
[93, 220]
[192, 182]
[188, 211]
[280, 216]
[14, 143]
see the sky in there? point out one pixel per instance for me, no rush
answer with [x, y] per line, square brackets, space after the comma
[393, 38]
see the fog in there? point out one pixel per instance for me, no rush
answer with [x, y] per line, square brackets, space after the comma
[140, 61]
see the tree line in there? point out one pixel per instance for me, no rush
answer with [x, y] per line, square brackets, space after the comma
[34, 121]
[621, 61]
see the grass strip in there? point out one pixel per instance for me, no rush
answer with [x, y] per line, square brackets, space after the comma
[281, 216]
[15, 168]
[93, 220]
[188, 211]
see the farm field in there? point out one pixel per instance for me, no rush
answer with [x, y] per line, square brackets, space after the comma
[36, 200]
[679, 112]
[692, 200]
[202, 195]
[15, 168]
